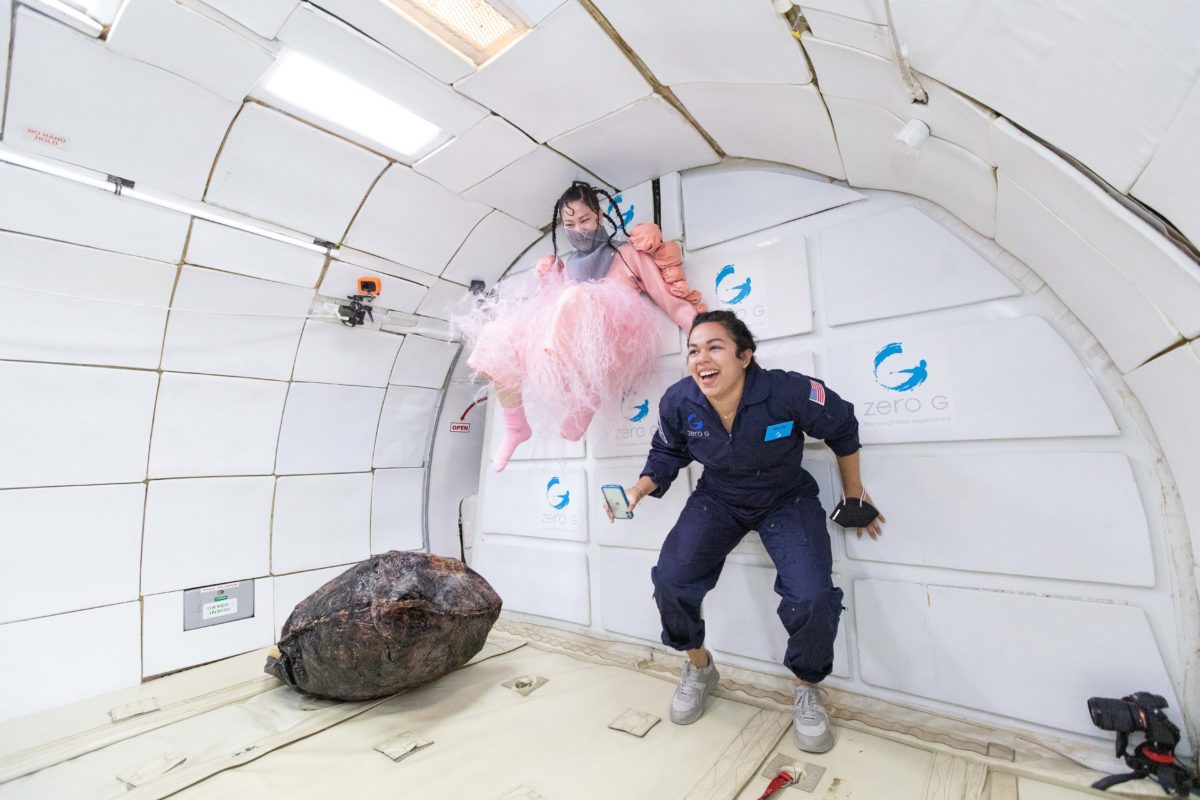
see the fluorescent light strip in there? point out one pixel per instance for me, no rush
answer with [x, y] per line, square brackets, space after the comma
[69, 15]
[324, 92]
[154, 198]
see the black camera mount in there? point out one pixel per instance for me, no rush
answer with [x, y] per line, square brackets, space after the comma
[357, 311]
[1153, 758]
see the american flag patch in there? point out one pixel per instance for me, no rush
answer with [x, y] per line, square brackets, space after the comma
[816, 393]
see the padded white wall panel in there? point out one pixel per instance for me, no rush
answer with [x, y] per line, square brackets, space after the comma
[561, 590]
[397, 510]
[854, 33]
[790, 123]
[341, 280]
[96, 330]
[754, 44]
[91, 534]
[405, 425]
[527, 85]
[911, 263]
[231, 250]
[1130, 327]
[858, 75]
[177, 39]
[637, 143]
[85, 216]
[626, 593]
[330, 352]
[323, 37]
[205, 531]
[1012, 506]
[654, 517]
[1051, 395]
[206, 425]
[762, 278]
[320, 521]
[73, 100]
[957, 645]
[489, 249]
[281, 170]
[629, 432]
[483, 151]
[360, 258]
[534, 11]
[234, 341]
[670, 190]
[414, 220]
[740, 617]
[1160, 269]
[166, 646]
[43, 678]
[262, 16]
[865, 10]
[290, 590]
[72, 425]
[442, 300]
[328, 428]
[941, 171]
[527, 188]
[423, 362]
[721, 204]
[1166, 183]
[404, 36]
[1056, 73]
[1167, 388]
[5, 36]
[549, 501]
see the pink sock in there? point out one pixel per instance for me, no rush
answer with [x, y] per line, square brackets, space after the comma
[576, 425]
[516, 430]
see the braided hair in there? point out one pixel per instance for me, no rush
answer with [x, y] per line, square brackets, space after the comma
[590, 195]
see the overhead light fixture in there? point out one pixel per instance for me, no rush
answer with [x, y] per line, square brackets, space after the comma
[477, 28]
[80, 16]
[316, 89]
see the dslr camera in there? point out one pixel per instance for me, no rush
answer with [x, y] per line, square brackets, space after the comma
[1155, 757]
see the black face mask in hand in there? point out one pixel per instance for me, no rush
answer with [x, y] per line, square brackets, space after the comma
[854, 513]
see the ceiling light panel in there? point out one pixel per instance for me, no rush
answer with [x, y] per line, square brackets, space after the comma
[176, 38]
[403, 35]
[476, 28]
[72, 100]
[534, 85]
[337, 55]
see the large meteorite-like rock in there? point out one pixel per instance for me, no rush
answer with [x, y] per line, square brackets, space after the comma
[390, 623]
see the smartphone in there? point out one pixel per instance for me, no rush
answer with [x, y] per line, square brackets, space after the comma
[618, 502]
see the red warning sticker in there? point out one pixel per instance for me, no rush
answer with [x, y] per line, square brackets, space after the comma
[47, 138]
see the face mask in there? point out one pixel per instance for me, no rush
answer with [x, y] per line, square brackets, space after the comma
[586, 241]
[854, 513]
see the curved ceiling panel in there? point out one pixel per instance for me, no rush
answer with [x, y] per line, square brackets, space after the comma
[527, 188]
[1103, 86]
[854, 33]
[264, 17]
[1169, 181]
[489, 249]
[640, 142]
[73, 100]
[479, 153]
[278, 169]
[331, 352]
[788, 124]
[231, 250]
[755, 44]
[179, 40]
[413, 220]
[530, 82]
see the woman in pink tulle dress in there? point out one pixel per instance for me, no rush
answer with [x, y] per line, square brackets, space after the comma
[582, 330]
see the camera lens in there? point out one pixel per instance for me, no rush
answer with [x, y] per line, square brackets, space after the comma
[1113, 715]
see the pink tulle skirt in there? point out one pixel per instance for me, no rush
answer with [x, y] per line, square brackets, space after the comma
[569, 348]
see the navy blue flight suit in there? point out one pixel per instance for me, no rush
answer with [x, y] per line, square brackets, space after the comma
[752, 481]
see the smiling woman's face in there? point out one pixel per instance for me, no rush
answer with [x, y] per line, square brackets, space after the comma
[713, 361]
[577, 216]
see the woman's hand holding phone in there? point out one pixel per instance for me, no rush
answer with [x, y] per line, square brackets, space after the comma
[634, 493]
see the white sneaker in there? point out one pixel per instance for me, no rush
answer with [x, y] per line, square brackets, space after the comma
[688, 704]
[810, 723]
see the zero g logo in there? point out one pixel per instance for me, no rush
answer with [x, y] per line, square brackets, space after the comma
[695, 426]
[635, 413]
[899, 380]
[733, 293]
[557, 501]
[627, 217]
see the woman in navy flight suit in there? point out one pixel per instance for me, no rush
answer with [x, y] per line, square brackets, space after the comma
[746, 425]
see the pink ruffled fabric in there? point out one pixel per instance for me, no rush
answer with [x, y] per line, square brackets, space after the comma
[647, 237]
[569, 347]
